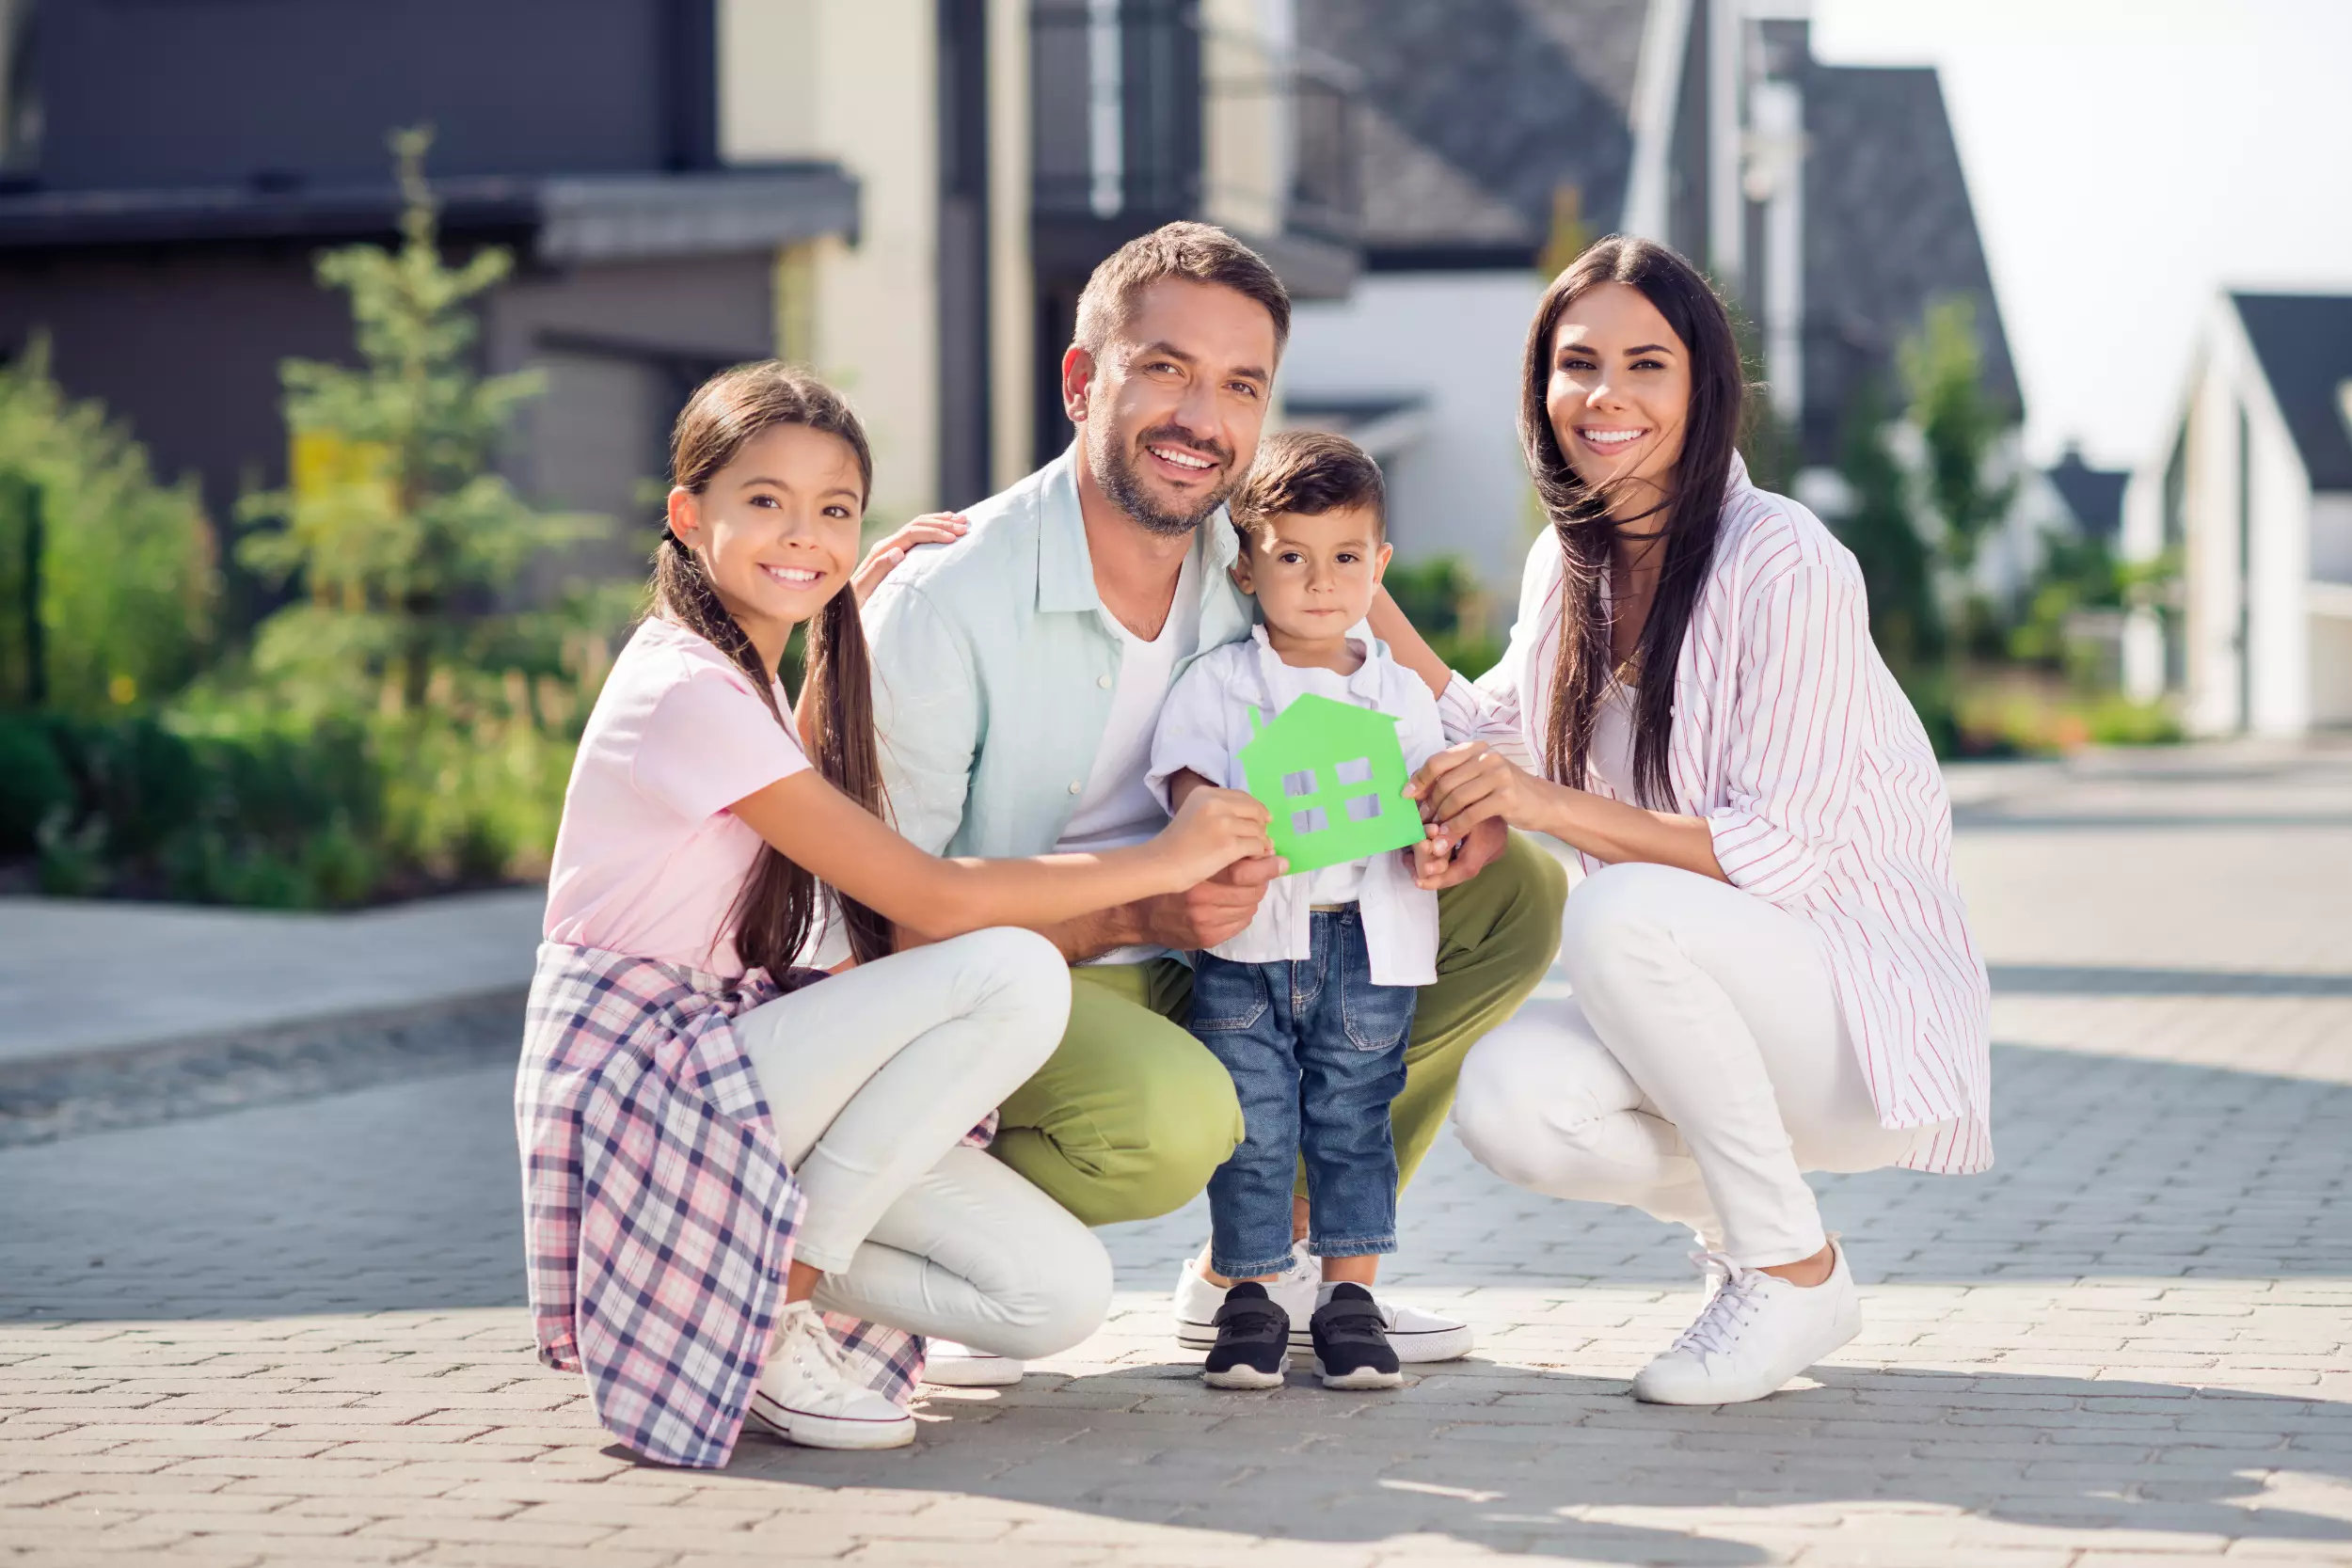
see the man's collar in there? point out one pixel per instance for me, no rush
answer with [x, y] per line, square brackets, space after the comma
[1065, 566]
[1065, 562]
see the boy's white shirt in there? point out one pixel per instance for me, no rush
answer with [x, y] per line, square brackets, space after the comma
[1204, 726]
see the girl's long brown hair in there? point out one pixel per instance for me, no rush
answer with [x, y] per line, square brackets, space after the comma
[1579, 516]
[780, 902]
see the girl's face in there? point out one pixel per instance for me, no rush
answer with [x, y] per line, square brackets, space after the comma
[777, 528]
[1619, 393]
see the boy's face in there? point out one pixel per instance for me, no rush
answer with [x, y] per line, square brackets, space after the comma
[1314, 576]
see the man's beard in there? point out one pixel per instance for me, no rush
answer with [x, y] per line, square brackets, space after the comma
[1115, 471]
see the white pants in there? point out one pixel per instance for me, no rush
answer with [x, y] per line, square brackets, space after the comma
[1700, 1068]
[872, 1077]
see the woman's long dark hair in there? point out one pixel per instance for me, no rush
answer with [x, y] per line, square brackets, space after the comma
[1581, 519]
[780, 902]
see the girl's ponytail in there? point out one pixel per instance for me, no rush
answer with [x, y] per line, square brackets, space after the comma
[781, 903]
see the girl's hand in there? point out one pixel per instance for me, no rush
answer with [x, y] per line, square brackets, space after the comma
[1214, 827]
[1464, 785]
[932, 528]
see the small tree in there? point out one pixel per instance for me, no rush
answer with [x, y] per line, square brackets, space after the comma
[396, 523]
[1943, 367]
[1898, 570]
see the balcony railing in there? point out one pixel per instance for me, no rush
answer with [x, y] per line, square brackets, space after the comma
[1142, 115]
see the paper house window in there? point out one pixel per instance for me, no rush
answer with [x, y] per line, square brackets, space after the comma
[1333, 778]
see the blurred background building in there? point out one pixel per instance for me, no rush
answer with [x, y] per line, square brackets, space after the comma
[2251, 491]
[908, 196]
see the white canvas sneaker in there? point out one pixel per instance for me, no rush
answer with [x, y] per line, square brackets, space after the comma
[1417, 1336]
[1757, 1331]
[808, 1395]
[953, 1365]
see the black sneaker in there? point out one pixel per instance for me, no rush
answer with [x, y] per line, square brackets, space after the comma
[1253, 1341]
[1351, 1348]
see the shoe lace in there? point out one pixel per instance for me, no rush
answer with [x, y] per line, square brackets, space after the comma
[812, 1340]
[1733, 1305]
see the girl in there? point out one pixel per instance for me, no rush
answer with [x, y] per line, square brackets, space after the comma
[717, 1145]
[1771, 968]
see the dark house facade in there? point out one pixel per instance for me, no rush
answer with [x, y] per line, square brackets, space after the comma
[173, 170]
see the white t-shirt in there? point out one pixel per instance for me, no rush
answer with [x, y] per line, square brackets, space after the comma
[1116, 808]
[1609, 760]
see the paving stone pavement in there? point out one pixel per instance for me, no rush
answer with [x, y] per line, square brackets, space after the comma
[293, 1334]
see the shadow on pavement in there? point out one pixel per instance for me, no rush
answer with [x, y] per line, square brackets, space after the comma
[1149, 1446]
[406, 1196]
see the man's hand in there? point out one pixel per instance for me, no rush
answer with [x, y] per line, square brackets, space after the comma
[1480, 848]
[1207, 913]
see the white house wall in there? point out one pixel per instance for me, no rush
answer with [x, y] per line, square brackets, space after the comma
[802, 79]
[1453, 340]
[2274, 693]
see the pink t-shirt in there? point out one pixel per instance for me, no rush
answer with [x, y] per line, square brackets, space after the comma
[649, 860]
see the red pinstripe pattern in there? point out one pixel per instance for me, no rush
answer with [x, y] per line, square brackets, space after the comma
[1793, 740]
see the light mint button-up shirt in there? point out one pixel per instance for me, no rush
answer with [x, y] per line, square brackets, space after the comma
[995, 663]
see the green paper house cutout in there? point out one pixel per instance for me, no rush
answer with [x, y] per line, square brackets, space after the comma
[1333, 776]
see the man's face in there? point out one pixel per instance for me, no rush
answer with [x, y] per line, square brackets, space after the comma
[1171, 408]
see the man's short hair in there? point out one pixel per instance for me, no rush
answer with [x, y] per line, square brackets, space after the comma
[1309, 472]
[1200, 251]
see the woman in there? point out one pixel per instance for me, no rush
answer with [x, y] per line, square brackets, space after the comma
[1771, 967]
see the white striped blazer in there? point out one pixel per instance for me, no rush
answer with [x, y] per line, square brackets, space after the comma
[1792, 739]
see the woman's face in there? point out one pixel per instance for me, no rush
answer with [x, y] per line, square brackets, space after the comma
[777, 528]
[1619, 392]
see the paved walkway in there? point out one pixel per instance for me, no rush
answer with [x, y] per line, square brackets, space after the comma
[93, 979]
[291, 1333]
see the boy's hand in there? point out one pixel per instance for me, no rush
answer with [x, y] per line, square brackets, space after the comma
[1459, 863]
[1431, 865]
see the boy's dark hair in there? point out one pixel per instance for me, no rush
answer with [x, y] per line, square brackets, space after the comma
[1309, 472]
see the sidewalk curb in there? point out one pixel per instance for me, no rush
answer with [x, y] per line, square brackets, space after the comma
[140, 1082]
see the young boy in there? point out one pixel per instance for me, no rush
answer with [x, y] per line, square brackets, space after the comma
[1309, 1008]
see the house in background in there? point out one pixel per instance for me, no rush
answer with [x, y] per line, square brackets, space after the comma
[1828, 202]
[2253, 489]
[904, 194]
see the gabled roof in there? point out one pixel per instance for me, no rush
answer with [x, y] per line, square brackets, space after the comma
[2304, 343]
[1475, 111]
[2094, 496]
[1889, 230]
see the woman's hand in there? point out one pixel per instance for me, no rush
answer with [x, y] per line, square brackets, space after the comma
[1464, 785]
[1214, 827]
[932, 528]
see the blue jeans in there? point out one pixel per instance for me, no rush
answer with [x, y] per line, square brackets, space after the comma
[1318, 1053]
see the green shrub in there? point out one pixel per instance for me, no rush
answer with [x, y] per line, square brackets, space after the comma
[129, 569]
[34, 785]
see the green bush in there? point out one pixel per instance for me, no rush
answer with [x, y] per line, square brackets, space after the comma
[129, 569]
[34, 785]
[261, 813]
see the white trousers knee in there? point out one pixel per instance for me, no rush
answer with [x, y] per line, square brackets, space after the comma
[1700, 1068]
[872, 1078]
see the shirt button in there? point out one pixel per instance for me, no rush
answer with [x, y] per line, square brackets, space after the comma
[1076, 787]
[1103, 681]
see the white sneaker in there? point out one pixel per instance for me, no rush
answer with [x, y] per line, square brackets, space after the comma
[953, 1365]
[1756, 1332]
[1417, 1336]
[808, 1395]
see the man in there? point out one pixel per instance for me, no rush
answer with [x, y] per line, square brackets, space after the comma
[1018, 676]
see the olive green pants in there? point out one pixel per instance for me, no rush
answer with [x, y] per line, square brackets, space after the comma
[1131, 1116]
